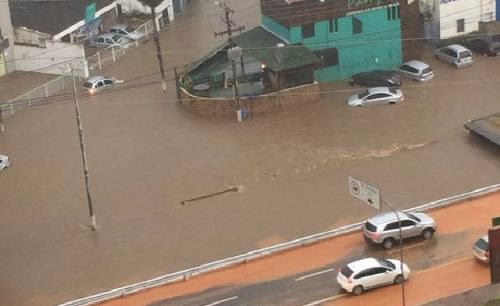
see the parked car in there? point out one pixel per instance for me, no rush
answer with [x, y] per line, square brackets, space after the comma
[376, 96]
[384, 228]
[416, 70]
[4, 162]
[457, 55]
[485, 45]
[481, 249]
[109, 40]
[125, 30]
[368, 273]
[376, 78]
[99, 83]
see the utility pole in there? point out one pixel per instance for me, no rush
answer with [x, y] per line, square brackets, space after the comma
[156, 38]
[84, 154]
[233, 52]
[2, 127]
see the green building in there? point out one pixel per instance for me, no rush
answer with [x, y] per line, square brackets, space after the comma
[348, 36]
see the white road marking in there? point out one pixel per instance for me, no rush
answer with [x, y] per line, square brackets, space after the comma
[222, 301]
[313, 274]
[331, 298]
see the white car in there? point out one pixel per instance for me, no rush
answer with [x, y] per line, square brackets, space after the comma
[416, 70]
[481, 249]
[4, 162]
[368, 273]
[376, 96]
[99, 83]
[125, 30]
[109, 40]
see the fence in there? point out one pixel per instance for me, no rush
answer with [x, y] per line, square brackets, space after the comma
[37, 96]
[97, 61]
[256, 254]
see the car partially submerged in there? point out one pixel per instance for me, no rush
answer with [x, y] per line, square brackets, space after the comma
[125, 30]
[376, 96]
[376, 78]
[416, 70]
[98, 83]
[4, 162]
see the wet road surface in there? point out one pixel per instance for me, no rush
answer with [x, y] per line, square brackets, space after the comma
[441, 266]
[146, 155]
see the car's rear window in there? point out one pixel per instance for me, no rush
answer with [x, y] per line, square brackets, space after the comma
[129, 29]
[413, 217]
[392, 90]
[386, 263]
[370, 227]
[87, 85]
[465, 54]
[482, 244]
[346, 271]
[426, 70]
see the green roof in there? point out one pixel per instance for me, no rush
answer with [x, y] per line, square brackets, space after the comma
[262, 45]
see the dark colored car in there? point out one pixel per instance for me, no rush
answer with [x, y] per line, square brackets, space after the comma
[376, 78]
[486, 45]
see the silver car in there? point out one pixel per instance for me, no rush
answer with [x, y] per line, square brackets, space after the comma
[384, 228]
[125, 30]
[4, 162]
[481, 249]
[99, 83]
[109, 40]
[416, 70]
[376, 96]
[457, 55]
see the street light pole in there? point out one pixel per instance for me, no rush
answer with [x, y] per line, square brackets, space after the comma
[400, 249]
[84, 154]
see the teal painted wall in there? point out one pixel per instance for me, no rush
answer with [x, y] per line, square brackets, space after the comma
[378, 46]
[275, 28]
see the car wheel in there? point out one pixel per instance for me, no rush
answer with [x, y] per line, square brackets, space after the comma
[358, 290]
[398, 279]
[351, 82]
[427, 233]
[436, 56]
[392, 102]
[388, 243]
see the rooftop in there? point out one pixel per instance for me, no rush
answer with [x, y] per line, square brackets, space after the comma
[50, 17]
[487, 127]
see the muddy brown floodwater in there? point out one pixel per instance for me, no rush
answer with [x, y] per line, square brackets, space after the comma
[146, 155]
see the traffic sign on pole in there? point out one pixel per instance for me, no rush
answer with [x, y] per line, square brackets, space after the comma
[366, 193]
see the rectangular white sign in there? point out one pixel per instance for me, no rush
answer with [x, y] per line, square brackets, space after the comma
[366, 193]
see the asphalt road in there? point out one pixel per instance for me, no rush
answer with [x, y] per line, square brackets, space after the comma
[439, 267]
[146, 155]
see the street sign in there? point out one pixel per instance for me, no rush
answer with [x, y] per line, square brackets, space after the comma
[366, 193]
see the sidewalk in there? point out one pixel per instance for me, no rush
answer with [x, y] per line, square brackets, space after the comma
[453, 219]
[17, 83]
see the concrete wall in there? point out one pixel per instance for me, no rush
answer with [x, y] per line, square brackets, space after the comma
[269, 103]
[56, 58]
[7, 32]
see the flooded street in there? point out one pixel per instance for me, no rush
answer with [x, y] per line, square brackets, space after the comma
[146, 155]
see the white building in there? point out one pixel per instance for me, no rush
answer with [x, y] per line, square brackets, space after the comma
[448, 18]
[7, 63]
[165, 11]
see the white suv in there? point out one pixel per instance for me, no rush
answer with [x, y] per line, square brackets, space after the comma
[384, 228]
[370, 272]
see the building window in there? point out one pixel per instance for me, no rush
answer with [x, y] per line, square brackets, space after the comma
[329, 57]
[393, 12]
[308, 30]
[461, 25]
[357, 26]
[333, 25]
